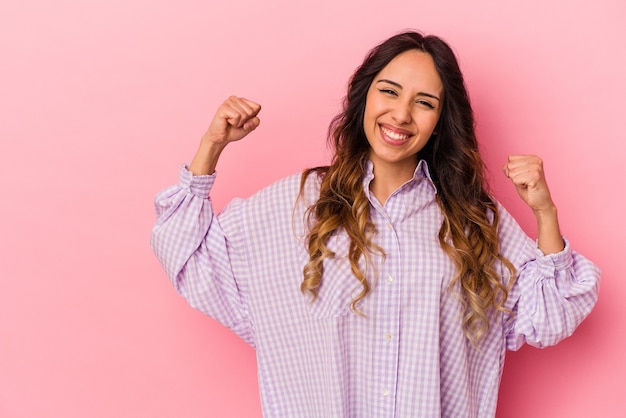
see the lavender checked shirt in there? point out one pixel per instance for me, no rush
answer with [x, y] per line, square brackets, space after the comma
[408, 356]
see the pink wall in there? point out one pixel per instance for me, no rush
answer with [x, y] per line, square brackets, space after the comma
[101, 101]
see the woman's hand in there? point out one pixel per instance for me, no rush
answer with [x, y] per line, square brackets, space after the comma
[526, 173]
[233, 120]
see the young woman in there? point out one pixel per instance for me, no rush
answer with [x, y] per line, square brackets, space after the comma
[389, 283]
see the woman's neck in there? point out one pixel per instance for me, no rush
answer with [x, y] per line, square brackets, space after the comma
[388, 177]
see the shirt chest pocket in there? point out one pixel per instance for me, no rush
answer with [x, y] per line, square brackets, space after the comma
[339, 286]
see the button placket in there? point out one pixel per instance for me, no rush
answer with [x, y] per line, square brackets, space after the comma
[389, 297]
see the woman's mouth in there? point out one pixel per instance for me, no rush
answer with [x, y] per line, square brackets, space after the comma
[393, 136]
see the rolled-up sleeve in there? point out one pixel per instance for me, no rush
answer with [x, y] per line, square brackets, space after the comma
[203, 262]
[552, 293]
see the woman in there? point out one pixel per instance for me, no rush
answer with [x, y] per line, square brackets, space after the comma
[390, 283]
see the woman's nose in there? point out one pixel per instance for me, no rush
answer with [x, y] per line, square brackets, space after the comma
[401, 113]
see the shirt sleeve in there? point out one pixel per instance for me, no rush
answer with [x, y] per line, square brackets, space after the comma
[204, 263]
[552, 293]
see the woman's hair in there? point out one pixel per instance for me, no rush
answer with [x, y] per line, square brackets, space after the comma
[468, 233]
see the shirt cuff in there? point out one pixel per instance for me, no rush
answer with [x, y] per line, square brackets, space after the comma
[554, 262]
[198, 185]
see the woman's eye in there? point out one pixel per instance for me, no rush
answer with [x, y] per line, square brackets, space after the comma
[388, 91]
[425, 103]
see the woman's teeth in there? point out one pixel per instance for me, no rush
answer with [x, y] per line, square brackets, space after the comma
[394, 135]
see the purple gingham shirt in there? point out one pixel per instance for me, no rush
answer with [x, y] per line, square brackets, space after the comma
[408, 356]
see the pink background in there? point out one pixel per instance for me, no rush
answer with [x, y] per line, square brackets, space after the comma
[101, 101]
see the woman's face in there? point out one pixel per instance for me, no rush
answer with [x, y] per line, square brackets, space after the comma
[402, 108]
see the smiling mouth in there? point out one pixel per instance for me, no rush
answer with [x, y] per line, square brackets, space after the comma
[393, 135]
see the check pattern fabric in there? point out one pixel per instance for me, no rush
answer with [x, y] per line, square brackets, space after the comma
[407, 356]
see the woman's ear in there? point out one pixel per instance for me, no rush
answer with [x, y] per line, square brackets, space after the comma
[436, 130]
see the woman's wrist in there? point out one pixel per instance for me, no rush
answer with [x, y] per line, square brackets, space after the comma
[205, 160]
[549, 240]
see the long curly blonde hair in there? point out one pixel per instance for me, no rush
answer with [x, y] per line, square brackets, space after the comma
[468, 234]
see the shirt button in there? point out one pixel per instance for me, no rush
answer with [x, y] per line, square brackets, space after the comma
[385, 392]
[388, 225]
[388, 337]
[389, 279]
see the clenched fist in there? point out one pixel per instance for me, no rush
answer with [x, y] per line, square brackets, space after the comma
[234, 119]
[526, 173]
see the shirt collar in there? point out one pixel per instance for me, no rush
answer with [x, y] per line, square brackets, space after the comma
[421, 172]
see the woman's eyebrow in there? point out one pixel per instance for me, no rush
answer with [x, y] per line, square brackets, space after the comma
[421, 93]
